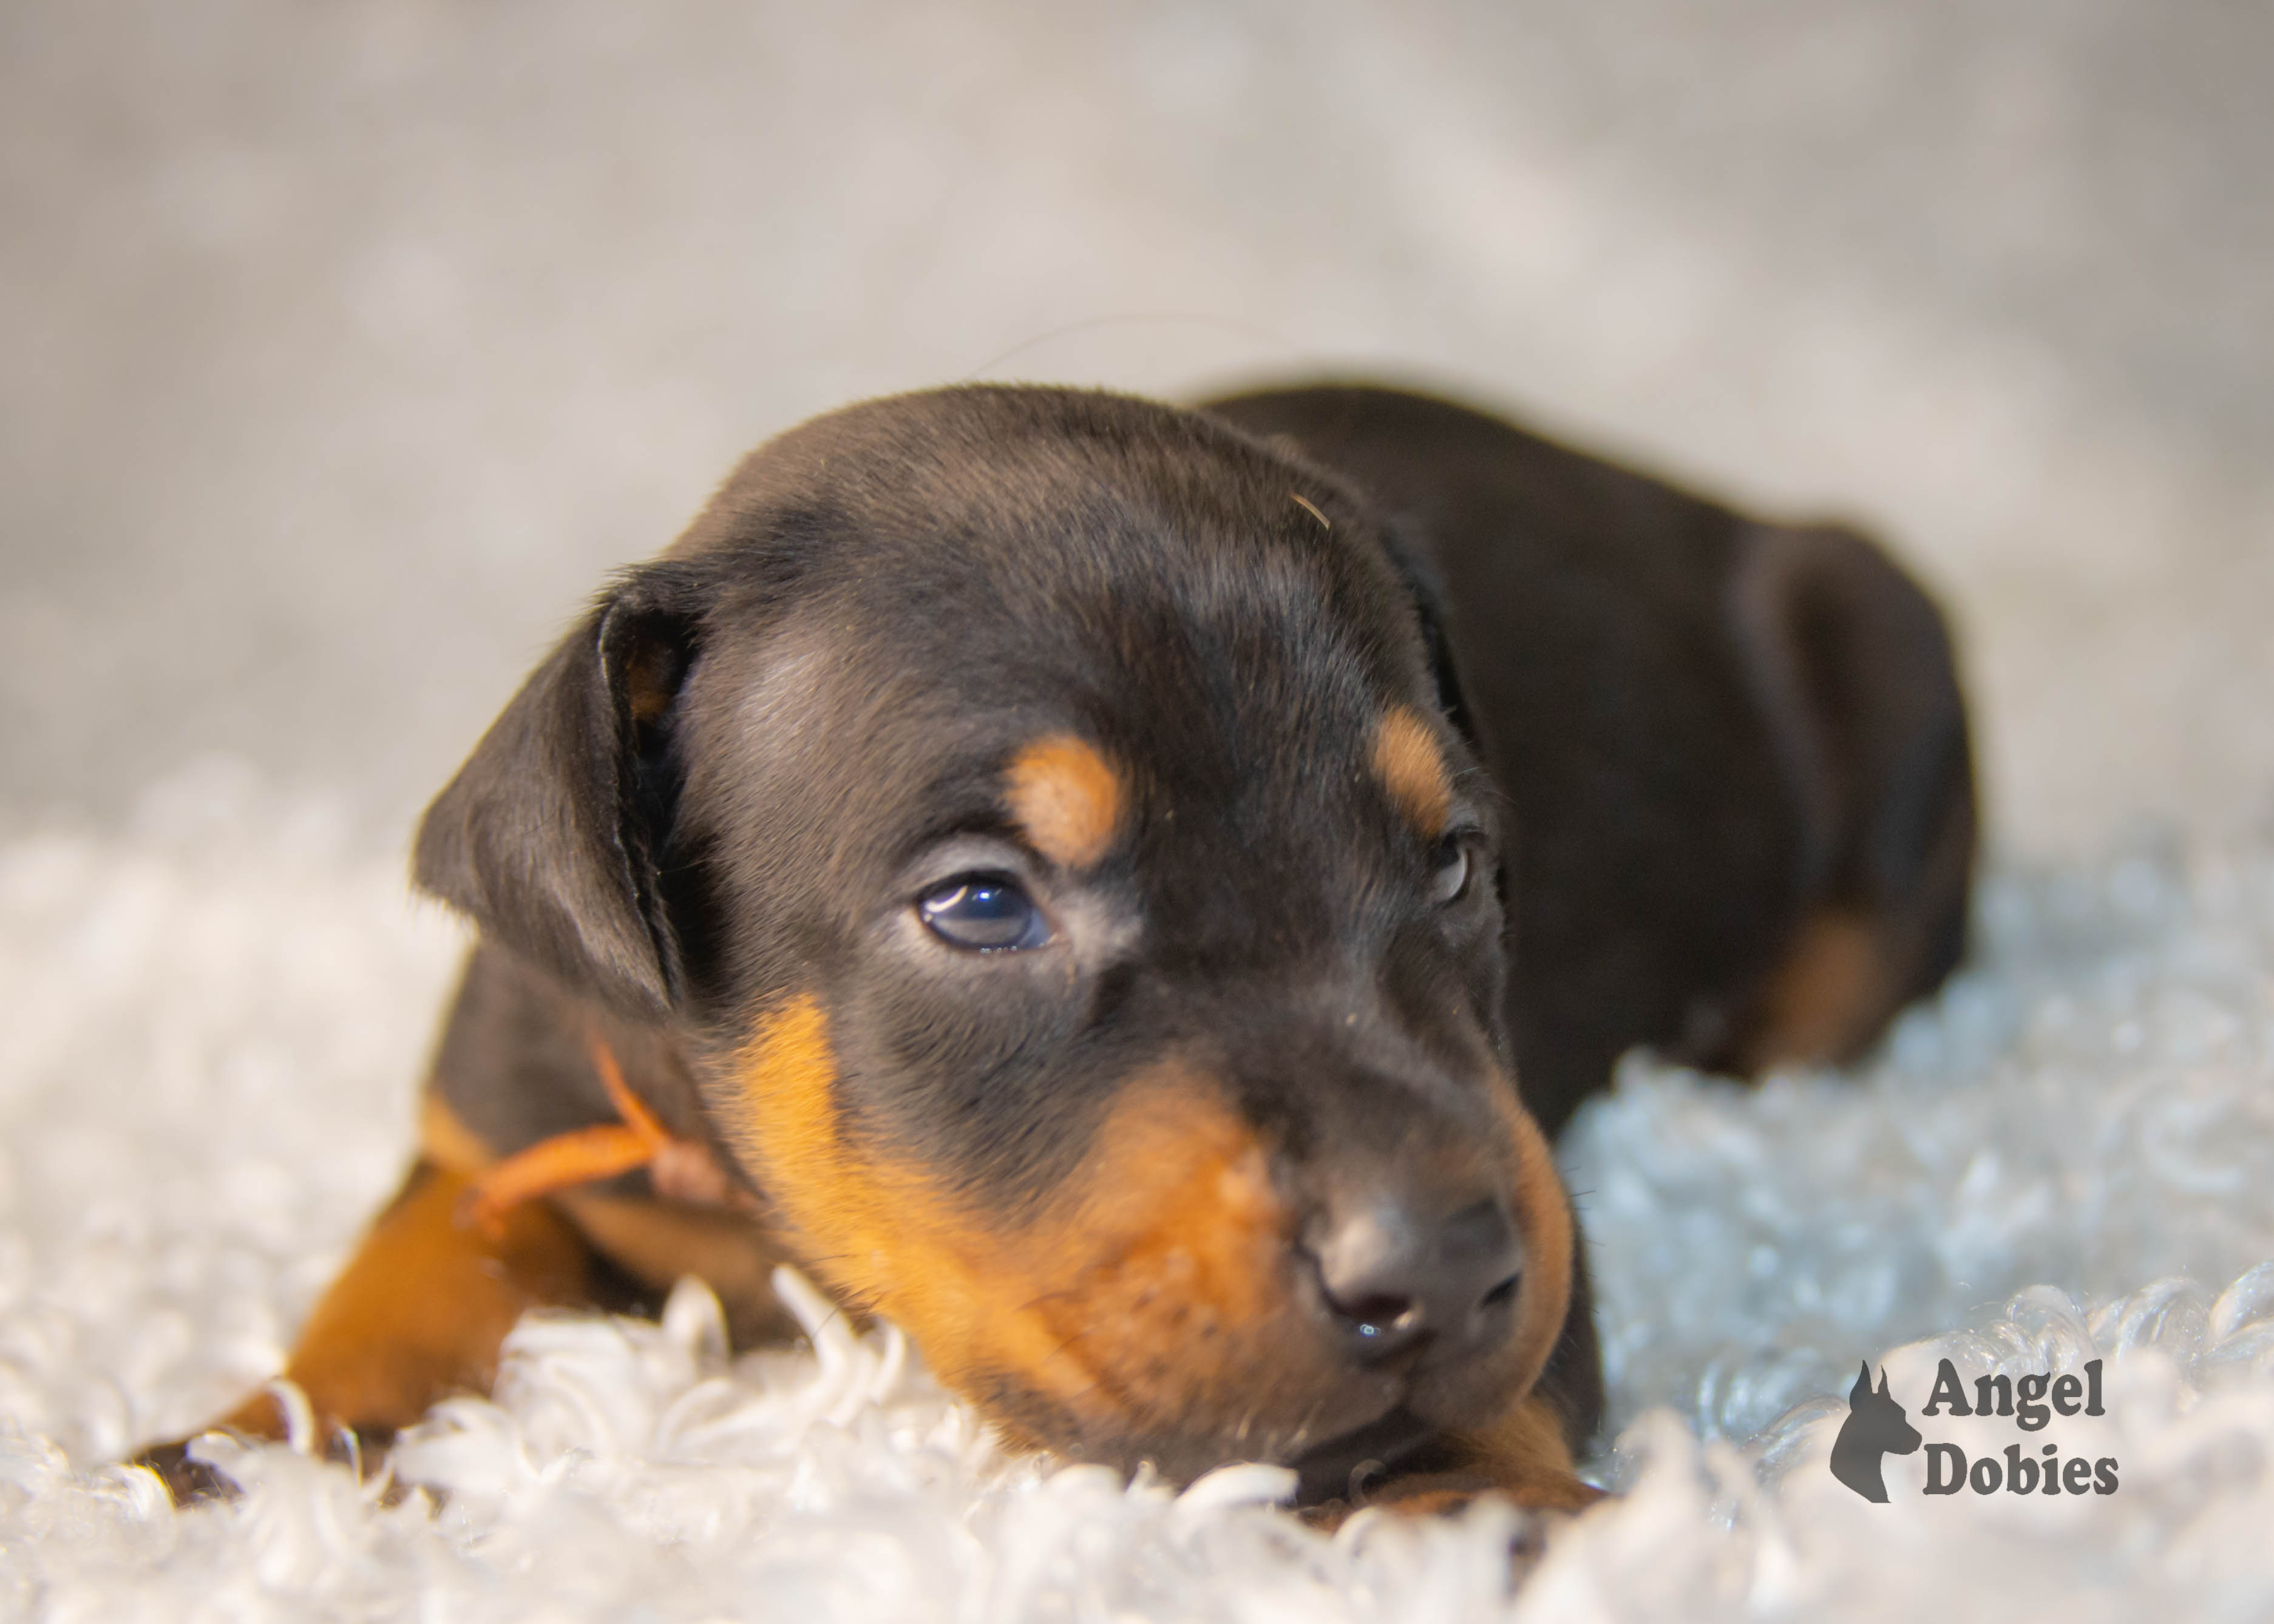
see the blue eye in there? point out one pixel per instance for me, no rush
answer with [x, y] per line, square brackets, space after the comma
[986, 912]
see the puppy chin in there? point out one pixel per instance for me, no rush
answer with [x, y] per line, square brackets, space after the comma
[1267, 1418]
[1467, 1396]
[1382, 1426]
[1357, 1421]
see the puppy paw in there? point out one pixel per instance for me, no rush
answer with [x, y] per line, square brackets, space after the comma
[190, 1482]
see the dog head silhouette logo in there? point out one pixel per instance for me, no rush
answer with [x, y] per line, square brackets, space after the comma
[1876, 1427]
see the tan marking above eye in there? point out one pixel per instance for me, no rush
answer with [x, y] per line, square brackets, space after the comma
[1067, 798]
[1412, 767]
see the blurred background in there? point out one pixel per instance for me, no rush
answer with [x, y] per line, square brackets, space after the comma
[348, 346]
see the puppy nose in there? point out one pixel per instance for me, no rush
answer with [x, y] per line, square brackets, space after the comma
[1391, 1278]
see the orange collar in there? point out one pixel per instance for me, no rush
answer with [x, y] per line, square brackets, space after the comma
[682, 1170]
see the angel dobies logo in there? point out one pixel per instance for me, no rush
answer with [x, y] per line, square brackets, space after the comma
[1877, 1426]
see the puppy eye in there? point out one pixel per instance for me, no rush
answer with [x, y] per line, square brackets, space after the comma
[1448, 868]
[986, 912]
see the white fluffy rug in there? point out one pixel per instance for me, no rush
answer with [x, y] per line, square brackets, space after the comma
[211, 1027]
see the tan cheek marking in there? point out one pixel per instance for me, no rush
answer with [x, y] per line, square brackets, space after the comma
[1068, 797]
[789, 1132]
[883, 1234]
[1412, 767]
[1166, 1254]
[1171, 1208]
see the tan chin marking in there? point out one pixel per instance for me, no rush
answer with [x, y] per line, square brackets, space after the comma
[1412, 767]
[1122, 1300]
[1520, 1453]
[1066, 797]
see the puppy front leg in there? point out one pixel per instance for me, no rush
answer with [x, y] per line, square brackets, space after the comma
[418, 1314]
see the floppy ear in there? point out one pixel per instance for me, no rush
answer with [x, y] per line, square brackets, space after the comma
[550, 836]
[1852, 666]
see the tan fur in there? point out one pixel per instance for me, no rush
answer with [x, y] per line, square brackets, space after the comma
[1544, 1219]
[657, 1242]
[1521, 1455]
[1068, 797]
[422, 1308]
[1524, 1449]
[1149, 1294]
[445, 1140]
[1412, 767]
[1826, 997]
[1137, 1298]
[648, 686]
[1173, 1196]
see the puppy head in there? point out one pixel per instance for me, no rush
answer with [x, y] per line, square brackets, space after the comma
[1036, 815]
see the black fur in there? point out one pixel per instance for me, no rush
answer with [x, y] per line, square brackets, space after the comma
[1673, 731]
[1704, 725]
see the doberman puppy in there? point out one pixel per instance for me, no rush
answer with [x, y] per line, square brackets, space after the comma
[1128, 892]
